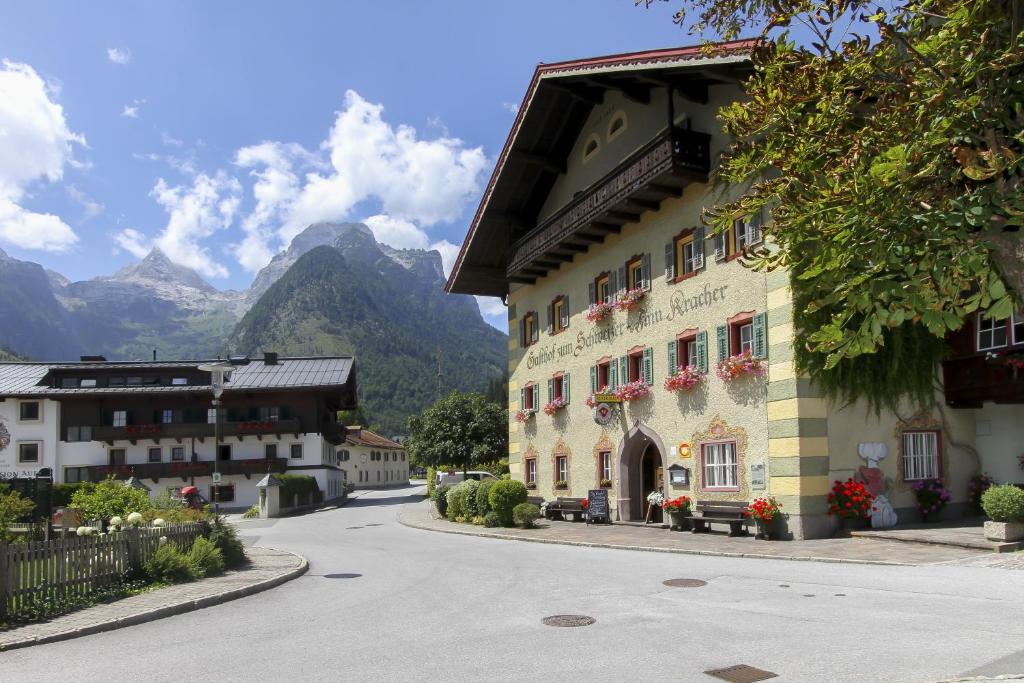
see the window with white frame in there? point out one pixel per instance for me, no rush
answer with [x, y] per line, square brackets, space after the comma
[30, 411]
[747, 338]
[28, 451]
[120, 418]
[155, 454]
[748, 232]
[562, 468]
[606, 465]
[921, 456]
[177, 453]
[167, 417]
[531, 470]
[296, 451]
[211, 416]
[721, 468]
[992, 333]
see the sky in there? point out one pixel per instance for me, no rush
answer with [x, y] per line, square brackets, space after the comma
[219, 130]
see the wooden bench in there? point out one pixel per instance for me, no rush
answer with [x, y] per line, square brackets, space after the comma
[720, 512]
[569, 509]
[535, 500]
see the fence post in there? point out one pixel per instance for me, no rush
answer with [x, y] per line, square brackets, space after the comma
[5, 579]
[134, 549]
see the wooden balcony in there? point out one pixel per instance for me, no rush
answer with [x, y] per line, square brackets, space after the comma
[971, 380]
[199, 430]
[184, 470]
[659, 170]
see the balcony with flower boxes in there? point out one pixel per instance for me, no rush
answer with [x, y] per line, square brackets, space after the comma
[970, 381]
[199, 430]
[184, 470]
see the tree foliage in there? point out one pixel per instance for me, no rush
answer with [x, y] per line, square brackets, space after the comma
[13, 507]
[109, 498]
[888, 149]
[460, 430]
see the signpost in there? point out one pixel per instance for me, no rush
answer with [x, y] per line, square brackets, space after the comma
[597, 506]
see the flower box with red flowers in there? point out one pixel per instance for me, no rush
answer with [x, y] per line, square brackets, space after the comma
[553, 406]
[599, 311]
[764, 509]
[741, 365]
[850, 500]
[630, 299]
[561, 484]
[685, 379]
[632, 391]
[678, 505]
[524, 415]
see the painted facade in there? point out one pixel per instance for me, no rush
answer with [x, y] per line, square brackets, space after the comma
[770, 433]
[369, 461]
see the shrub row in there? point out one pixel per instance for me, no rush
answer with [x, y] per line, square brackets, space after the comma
[490, 503]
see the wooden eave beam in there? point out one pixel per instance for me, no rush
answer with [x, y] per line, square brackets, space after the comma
[544, 161]
[522, 279]
[631, 90]
[670, 190]
[575, 248]
[590, 237]
[695, 91]
[628, 216]
[605, 227]
[642, 204]
[583, 94]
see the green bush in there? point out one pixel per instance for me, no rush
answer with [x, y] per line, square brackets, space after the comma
[525, 514]
[297, 489]
[491, 519]
[252, 513]
[458, 500]
[60, 494]
[478, 520]
[170, 565]
[205, 557]
[13, 506]
[441, 499]
[225, 537]
[110, 498]
[472, 488]
[504, 496]
[431, 476]
[483, 502]
[1004, 503]
[165, 501]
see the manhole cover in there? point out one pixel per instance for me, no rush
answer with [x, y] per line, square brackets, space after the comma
[569, 620]
[741, 673]
[685, 583]
[342, 576]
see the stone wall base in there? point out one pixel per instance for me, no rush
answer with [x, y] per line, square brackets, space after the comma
[802, 527]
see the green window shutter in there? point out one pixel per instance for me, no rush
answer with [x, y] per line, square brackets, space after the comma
[702, 350]
[565, 312]
[613, 373]
[623, 280]
[592, 292]
[673, 357]
[723, 342]
[536, 396]
[624, 377]
[645, 271]
[613, 284]
[648, 365]
[761, 335]
[551, 389]
[670, 261]
[593, 379]
[565, 387]
[698, 248]
[551, 318]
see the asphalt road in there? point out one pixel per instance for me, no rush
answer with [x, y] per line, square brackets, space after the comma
[385, 602]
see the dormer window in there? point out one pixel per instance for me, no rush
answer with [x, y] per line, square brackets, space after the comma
[179, 381]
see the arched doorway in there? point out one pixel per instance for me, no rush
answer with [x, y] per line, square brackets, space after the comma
[641, 456]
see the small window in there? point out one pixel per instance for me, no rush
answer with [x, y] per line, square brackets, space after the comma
[120, 418]
[558, 387]
[684, 256]
[75, 475]
[635, 274]
[224, 452]
[744, 233]
[115, 382]
[747, 338]
[115, 457]
[29, 411]
[562, 468]
[721, 469]
[529, 329]
[179, 381]
[69, 382]
[617, 126]
[88, 383]
[28, 452]
[270, 450]
[133, 381]
[225, 493]
[528, 398]
[211, 416]
[78, 434]
[177, 453]
[167, 417]
[992, 333]
[591, 147]
[559, 314]
[270, 413]
[605, 464]
[155, 454]
[296, 451]
[921, 456]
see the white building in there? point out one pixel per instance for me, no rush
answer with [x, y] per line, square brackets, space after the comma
[370, 461]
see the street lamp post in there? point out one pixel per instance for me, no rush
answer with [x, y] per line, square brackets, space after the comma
[219, 373]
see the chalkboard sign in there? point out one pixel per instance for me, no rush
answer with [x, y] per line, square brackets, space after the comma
[597, 506]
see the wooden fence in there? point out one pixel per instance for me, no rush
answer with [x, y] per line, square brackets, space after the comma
[75, 566]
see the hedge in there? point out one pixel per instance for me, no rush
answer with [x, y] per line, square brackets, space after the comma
[297, 485]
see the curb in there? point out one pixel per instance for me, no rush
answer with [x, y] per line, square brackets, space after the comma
[650, 549]
[169, 610]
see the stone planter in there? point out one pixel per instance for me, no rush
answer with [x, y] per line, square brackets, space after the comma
[680, 521]
[764, 529]
[1004, 532]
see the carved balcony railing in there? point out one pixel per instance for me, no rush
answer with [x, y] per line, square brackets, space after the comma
[661, 169]
[185, 469]
[200, 430]
[972, 380]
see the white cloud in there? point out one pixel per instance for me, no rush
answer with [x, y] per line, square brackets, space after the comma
[134, 242]
[195, 212]
[119, 55]
[91, 207]
[491, 306]
[131, 111]
[35, 144]
[416, 183]
[169, 140]
[449, 252]
[511, 107]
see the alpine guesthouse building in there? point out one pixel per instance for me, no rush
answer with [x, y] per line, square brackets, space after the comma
[591, 227]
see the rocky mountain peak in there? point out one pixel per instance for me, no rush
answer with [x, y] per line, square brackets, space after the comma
[158, 268]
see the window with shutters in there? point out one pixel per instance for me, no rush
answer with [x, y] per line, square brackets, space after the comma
[603, 289]
[558, 314]
[119, 418]
[992, 333]
[528, 330]
[636, 365]
[720, 467]
[921, 455]
[558, 387]
[531, 471]
[685, 351]
[177, 453]
[637, 273]
[684, 256]
[745, 333]
[744, 233]
[600, 376]
[604, 467]
[528, 396]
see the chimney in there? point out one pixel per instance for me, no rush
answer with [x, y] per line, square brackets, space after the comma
[270, 358]
[92, 359]
[154, 355]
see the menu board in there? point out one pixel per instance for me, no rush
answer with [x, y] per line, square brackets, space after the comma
[597, 506]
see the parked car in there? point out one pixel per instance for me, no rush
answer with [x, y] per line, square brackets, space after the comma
[453, 478]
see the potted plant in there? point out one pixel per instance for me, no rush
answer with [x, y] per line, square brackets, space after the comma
[553, 406]
[524, 415]
[561, 484]
[630, 299]
[764, 511]
[851, 502]
[606, 483]
[1004, 506]
[531, 485]
[678, 510]
[685, 379]
[932, 497]
[976, 487]
[599, 311]
[741, 365]
[631, 391]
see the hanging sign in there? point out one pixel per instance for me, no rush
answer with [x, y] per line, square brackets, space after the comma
[603, 413]
[607, 398]
[216, 477]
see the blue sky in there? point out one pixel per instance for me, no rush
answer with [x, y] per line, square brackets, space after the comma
[217, 130]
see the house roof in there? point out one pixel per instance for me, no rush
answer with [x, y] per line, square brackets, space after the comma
[554, 110]
[286, 374]
[364, 437]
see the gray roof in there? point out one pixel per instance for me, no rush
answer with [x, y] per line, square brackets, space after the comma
[24, 379]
